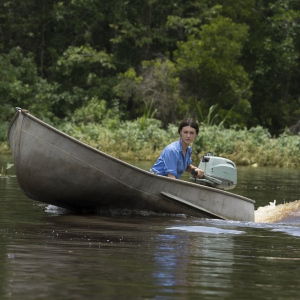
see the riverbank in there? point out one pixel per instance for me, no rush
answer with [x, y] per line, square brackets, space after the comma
[144, 141]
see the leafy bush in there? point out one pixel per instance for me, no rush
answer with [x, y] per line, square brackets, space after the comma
[248, 147]
[145, 138]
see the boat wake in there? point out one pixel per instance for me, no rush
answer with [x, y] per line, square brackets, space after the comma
[115, 212]
[206, 229]
[137, 212]
[287, 212]
[56, 210]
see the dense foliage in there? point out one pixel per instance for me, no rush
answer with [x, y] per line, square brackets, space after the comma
[144, 139]
[63, 60]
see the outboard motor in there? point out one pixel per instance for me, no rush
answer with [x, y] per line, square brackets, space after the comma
[219, 172]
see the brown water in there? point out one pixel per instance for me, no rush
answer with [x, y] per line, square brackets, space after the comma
[49, 253]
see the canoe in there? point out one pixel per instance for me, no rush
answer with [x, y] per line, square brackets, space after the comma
[54, 168]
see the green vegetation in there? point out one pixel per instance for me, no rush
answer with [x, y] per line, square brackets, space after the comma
[244, 147]
[121, 72]
[145, 138]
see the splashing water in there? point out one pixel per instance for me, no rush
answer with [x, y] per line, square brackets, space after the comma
[281, 212]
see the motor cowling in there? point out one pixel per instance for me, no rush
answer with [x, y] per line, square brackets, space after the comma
[219, 172]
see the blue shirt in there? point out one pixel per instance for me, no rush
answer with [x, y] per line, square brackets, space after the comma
[172, 160]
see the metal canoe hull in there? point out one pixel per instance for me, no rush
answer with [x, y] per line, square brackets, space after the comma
[57, 169]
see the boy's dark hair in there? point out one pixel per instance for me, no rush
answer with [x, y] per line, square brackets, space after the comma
[189, 122]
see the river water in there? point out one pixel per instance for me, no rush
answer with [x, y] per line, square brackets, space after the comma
[49, 253]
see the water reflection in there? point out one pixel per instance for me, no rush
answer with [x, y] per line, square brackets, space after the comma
[268, 184]
[50, 253]
[170, 263]
[96, 253]
[154, 258]
[180, 265]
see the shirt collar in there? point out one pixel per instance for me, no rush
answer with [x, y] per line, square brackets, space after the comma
[189, 148]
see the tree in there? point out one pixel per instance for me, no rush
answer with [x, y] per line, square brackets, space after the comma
[242, 55]
[275, 100]
[208, 63]
[270, 57]
[21, 86]
[156, 86]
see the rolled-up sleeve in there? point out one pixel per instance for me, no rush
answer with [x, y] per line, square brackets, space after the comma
[170, 160]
